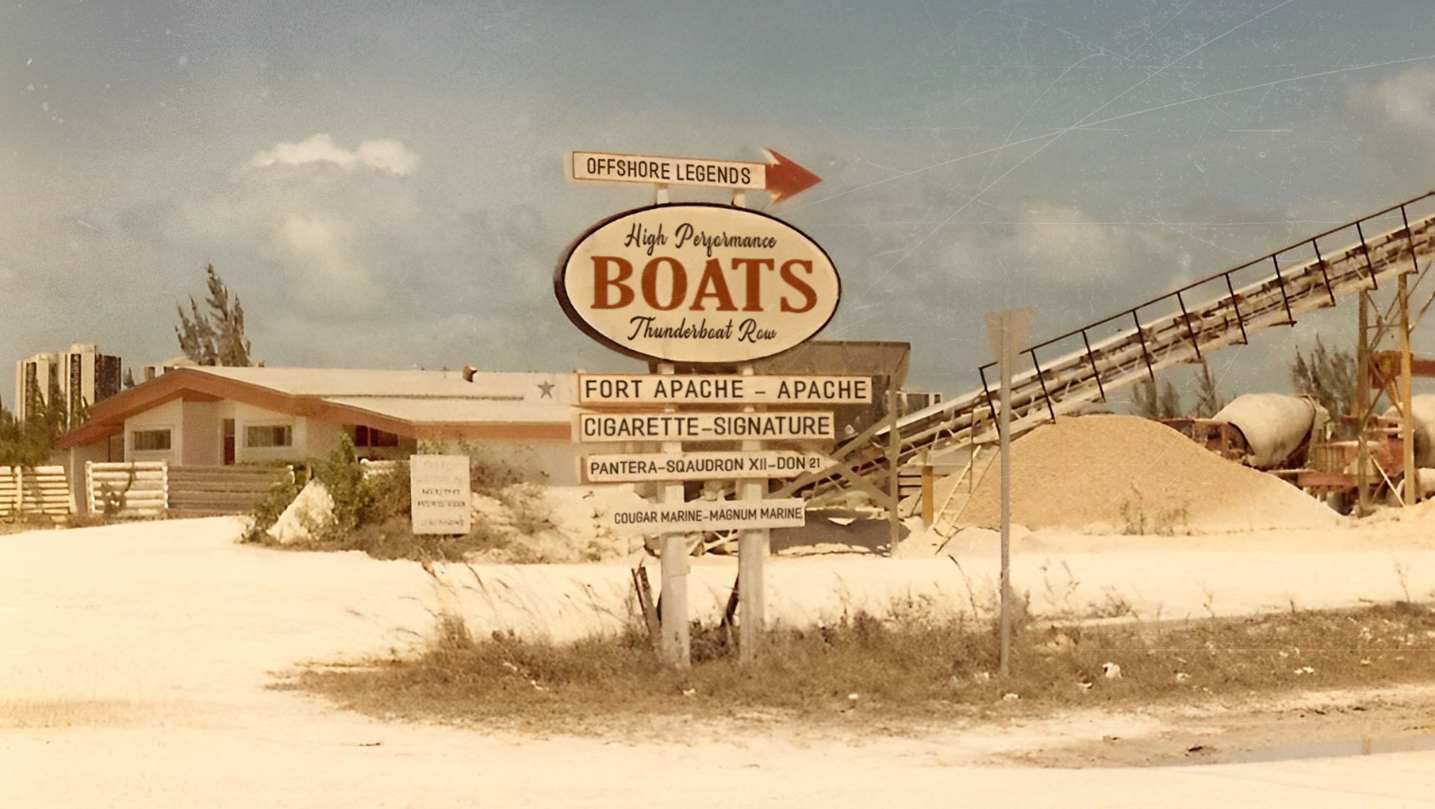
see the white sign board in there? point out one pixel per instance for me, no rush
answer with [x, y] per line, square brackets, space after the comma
[1011, 327]
[440, 489]
[788, 426]
[634, 389]
[630, 468]
[697, 283]
[608, 167]
[710, 515]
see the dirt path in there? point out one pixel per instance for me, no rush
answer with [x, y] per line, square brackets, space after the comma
[139, 659]
[1321, 725]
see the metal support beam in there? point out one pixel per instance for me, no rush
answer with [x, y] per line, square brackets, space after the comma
[1236, 305]
[1095, 372]
[1145, 355]
[1281, 282]
[1050, 410]
[1186, 316]
[1324, 273]
[1369, 265]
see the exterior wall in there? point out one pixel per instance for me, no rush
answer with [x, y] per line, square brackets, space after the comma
[169, 415]
[551, 462]
[74, 461]
[246, 416]
[203, 436]
[321, 438]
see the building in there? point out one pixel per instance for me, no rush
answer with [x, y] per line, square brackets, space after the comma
[155, 369]
[35, 378]
[213, 416]
[81, 376]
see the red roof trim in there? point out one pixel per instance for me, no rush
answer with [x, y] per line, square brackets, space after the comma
[108, 416]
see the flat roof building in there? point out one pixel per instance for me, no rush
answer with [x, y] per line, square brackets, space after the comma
[213, 416]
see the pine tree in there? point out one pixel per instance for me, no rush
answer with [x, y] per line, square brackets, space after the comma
[1153, 402]
[1329, 377]
[129, 378]
[216, 337]
[1208, 397]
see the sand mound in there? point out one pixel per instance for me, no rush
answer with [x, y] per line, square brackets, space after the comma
[1129, 475]
[555, 524]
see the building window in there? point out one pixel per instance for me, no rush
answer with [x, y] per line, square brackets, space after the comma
[150, 440]
[269, 436]
[369, 437]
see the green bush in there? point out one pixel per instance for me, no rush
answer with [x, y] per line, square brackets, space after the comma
[359, 500]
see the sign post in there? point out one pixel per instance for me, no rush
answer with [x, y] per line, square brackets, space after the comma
[676, 644]
[1006, 330]
[702, 284]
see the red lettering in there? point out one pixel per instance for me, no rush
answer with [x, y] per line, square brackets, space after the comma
[713, 285]
[650, 283]
[603, 282]
[801, 286]
[754, 268]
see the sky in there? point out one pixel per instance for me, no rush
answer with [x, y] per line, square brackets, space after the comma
[384, 184]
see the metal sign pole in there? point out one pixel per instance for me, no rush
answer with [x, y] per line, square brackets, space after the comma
[1006, 361]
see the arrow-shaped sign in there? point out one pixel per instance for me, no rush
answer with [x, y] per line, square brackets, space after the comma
[780, 177]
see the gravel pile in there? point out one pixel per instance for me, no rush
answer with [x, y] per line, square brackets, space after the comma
[1122, 474]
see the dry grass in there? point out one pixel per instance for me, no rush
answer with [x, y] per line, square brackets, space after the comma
[910, 673]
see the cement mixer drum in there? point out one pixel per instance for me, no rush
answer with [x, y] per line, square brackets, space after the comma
[1276, 426]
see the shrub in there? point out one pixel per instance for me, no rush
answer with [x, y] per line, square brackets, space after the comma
[359, 500]
[269, 508]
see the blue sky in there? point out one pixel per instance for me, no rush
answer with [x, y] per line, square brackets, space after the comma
[383, 183]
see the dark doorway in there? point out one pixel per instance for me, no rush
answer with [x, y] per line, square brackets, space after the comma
[229, 442]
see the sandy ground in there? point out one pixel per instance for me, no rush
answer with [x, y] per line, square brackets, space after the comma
[137, 658]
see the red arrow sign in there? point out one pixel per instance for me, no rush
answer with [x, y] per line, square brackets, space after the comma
[785, 178]
[781, 177]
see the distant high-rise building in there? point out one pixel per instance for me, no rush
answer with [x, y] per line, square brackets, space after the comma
[160, 368]
[80, 376]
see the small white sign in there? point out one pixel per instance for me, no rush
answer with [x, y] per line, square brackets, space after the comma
[441, 494]
[660, 389]
[633, 468]
[796, 425]
[1010, 326]
[608, 167]
[711, 515]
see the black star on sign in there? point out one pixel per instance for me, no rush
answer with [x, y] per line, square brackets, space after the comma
[545, 390]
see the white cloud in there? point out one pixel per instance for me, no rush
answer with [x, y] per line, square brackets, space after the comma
[1404, 102]
[379, 154]
[1062, 244]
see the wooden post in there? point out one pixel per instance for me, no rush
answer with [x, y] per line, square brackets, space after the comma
[929, 488]
[894, 451]
[676, 644]
[1407, 417]
[752, 550]
[1362, 405]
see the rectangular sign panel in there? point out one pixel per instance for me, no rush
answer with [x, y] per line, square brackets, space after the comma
[607, 167]
[796, 425]
[626, 468]
[440, 489]
[658, 389]
[711, 515]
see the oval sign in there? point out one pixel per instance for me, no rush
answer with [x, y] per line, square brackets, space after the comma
[697, 283]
